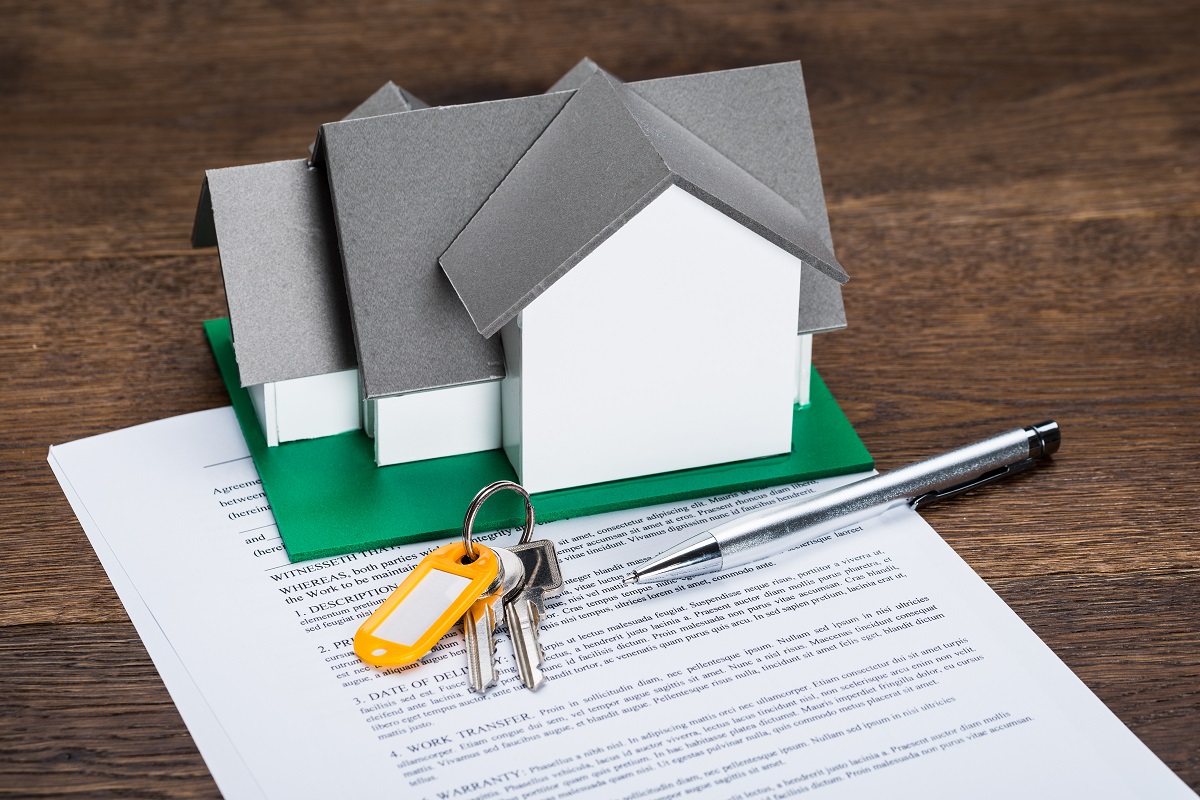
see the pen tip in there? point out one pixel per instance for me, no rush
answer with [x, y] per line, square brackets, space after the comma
[630, 578]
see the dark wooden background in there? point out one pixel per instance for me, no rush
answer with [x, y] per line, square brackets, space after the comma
[1012, 186]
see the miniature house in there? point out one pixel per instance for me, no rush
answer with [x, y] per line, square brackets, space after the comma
[608, 280]
[646, 290]
[292, 337]
[404, 186]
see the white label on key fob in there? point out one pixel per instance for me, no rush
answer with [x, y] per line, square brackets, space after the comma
[420, 609]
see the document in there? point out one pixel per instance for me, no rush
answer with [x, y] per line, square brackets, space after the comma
[872, 662]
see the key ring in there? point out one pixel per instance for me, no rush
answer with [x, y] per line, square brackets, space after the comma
[477, 503]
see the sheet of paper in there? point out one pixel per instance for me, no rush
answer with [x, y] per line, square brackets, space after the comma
[876, 661]
[232, 775]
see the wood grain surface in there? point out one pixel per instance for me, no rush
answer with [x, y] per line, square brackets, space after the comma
[1012, 186]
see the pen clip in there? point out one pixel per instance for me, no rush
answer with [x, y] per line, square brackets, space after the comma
[936, 495]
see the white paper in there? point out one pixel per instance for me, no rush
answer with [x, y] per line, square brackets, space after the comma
[230, 772]
[875, 662]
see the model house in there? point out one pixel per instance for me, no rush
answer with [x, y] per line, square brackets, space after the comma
[607, 281]
[292, 337]
[646, 289]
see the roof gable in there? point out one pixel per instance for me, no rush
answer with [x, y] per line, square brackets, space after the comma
[758, 118]
[387, 99]
[576, 76]
[607, 155]
[710, 174]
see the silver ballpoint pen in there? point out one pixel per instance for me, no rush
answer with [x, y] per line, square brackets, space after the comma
[762, 534]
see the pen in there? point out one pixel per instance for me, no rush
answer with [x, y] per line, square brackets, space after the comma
[762, 534]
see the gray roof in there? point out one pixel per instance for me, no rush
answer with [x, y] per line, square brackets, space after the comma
[604, 158]
[283, 278]
[576, 76]
[387, 99]
[403, 186]
[283, 282]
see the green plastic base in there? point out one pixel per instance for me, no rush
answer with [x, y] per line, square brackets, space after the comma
[329, 497]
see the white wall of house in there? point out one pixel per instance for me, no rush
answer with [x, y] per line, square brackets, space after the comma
[804, 369]
[306, 408]
[510, 394]
[672, 345]
[436, 423]
[368, 414]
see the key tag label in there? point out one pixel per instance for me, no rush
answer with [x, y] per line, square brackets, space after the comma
[427, 604]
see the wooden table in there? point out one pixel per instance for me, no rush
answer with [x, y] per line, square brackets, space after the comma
[1012, 186]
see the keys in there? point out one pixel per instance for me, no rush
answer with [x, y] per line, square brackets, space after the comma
[523, 609]
[468, 582]
[479, 623]
[425, 605]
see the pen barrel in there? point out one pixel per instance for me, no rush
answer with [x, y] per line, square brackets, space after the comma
[760, 535]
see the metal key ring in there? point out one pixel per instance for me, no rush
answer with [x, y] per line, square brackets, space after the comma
[477, 503]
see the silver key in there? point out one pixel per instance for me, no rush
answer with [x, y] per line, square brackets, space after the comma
[523, 609]
[479, 623]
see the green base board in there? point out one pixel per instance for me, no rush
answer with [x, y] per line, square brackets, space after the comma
[329, 498]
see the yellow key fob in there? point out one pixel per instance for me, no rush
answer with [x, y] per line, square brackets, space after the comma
[425, 606]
